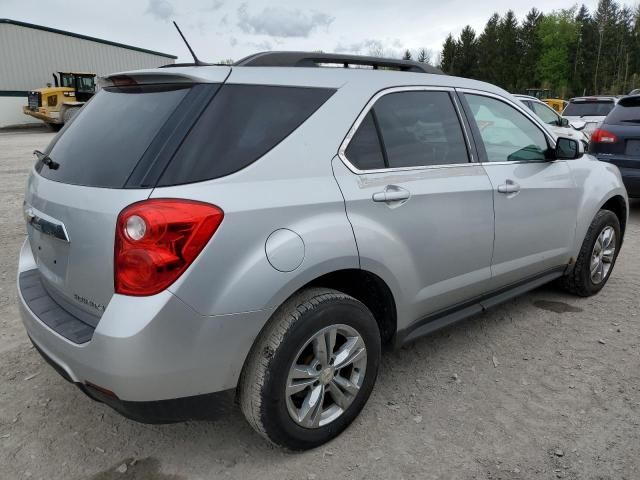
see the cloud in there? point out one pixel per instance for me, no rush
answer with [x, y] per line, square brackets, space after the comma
[260, 46]
[161, 9]
[282, 22]
[377, 48]
[214, 5]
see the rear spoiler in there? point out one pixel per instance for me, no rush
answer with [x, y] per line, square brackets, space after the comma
[184, 75]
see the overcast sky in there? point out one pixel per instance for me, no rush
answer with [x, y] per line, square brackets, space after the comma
[221, 29]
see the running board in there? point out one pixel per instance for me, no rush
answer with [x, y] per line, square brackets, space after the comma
[465, 310]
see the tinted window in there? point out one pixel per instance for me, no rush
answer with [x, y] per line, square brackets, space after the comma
[546, 114]
[626, 112]
[241, 124]
[506, 133]
[420, 128]
[364, 150]
[105, 141]
[594, 108]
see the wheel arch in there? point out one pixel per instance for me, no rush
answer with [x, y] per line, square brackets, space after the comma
[618, 206]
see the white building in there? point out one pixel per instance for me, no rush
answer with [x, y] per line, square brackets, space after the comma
[30, 54]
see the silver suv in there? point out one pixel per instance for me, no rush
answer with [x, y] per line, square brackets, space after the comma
[261, 230]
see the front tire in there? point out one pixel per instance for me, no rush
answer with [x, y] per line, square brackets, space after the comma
[597, 256]
[312, 370]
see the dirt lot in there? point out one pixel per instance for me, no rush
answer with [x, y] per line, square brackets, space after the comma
[547, 386]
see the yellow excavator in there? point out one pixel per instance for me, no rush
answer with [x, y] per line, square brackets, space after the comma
[58, 104]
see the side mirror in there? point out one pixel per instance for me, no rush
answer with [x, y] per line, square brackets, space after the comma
[568, 149]
[564, 122]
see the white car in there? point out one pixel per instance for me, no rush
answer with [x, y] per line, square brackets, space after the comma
[559, 125]
[587, 113]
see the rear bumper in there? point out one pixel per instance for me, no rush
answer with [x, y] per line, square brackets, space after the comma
[149, 348]
[201, 407]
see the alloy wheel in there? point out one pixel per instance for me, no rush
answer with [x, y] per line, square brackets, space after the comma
[326, 376]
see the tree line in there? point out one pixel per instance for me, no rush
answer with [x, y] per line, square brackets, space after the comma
[572, 51]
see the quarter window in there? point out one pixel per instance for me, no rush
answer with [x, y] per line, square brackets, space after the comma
[506, 133]
[364, 150]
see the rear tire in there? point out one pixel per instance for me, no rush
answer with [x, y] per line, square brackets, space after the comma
[271, 396]
[595, 262]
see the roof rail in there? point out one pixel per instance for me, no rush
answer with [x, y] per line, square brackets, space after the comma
[315, 59]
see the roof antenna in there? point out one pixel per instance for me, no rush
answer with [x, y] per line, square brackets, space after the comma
[196, 60]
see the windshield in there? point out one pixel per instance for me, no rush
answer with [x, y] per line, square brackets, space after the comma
[546, 114]
[590, 108]
[107, 138]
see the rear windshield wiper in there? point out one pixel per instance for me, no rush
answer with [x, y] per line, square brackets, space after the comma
[46, 159]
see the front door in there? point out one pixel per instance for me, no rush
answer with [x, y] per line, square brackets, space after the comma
[535, 199]
[422, 214]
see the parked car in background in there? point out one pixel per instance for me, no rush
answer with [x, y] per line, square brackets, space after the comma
[635, 92]
[617, 141]
[587, 113]
[260, 230]
[558, 124]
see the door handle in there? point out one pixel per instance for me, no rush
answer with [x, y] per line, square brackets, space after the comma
[509, 187]
[391, 193]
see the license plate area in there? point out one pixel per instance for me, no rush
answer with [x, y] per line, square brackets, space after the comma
[51, 255]
[633, 148]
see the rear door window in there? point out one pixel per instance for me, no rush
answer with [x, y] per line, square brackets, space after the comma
[107, 138]
[420, 128]
[590, 108]
[241, 124]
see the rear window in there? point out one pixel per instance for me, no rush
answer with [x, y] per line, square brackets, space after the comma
[627, 111]
[242, 123]
[591, 108]
[107, 138]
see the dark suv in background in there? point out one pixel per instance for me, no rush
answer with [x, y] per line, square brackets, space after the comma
[617, 141]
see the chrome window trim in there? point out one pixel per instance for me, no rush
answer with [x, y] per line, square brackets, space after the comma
[367, 108]
[525, 111]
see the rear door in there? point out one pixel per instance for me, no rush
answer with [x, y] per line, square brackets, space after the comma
[421, 211]
[535, 200]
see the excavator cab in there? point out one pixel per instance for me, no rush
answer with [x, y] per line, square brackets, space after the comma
[83, 84]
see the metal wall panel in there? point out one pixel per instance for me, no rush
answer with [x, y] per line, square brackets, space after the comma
[29, 56]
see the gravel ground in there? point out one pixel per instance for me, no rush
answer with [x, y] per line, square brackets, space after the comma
[546, 386]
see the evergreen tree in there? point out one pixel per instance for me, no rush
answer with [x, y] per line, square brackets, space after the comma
[530, 49]
[488, 60]
[509, 56]
[448, 55]
[467, 53]
[407, 55]
[573, 52]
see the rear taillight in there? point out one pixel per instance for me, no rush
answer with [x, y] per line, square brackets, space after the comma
[602, 136]
[157, 239]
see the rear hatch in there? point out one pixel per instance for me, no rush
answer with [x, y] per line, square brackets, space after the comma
[587, 114]
[110, 156]
[618, 138]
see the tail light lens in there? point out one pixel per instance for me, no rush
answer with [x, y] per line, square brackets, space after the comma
[602, 136]
[157, 240]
